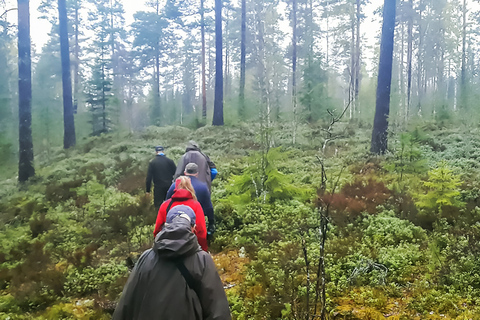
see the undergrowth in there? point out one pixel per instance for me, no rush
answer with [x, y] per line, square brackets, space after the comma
[402, 243]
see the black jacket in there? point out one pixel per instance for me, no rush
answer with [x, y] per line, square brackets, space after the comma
[156, 289]
[161, 169]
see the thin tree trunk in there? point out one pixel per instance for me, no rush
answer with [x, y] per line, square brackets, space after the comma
[464, 59]
[68, 120]
[76, 65]
[357, 59]
[204, 87]
[25, 161]
[409, 56]
[382, 110]
[226, 78]
[157, 102]
[294, 67]
[419, 59]
[104, 96]
[351, 87]
[402, 67]
[218, 102]
[242, 59]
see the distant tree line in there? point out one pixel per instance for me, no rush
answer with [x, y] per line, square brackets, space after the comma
[192, 62]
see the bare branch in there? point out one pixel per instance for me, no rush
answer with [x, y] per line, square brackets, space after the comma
[5, 12]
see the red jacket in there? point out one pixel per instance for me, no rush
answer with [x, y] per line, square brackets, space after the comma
[182, 196]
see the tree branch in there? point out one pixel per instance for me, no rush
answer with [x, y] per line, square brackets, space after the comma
[5, 12]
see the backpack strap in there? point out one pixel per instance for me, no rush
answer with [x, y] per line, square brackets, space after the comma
[170, 205]
[192, 283]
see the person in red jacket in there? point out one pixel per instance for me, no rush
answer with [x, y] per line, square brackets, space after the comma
[184, 194]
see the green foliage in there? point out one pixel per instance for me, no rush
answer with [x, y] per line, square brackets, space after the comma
[441, 189]
[385, 229]
[105, 280]
[87, 207]
[408, 158]
[262, 180]
[314, 95]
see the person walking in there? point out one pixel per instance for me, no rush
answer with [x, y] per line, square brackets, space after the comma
[202, 193]
[206, 168]
[175, 279]
[161, 170]
[184, 195]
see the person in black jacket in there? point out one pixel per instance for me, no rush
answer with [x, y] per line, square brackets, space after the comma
[161, 170]
[175, 280]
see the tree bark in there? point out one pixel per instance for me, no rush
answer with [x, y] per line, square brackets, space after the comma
[69, 139]
[242, 59]
[218, 102]
[294, 67]
[357, 57]
[409, 56]
[382, 109]
[464, 59]
[204, 87]
[25, 161]
[419, 59]
[76, 65]
[351, 87]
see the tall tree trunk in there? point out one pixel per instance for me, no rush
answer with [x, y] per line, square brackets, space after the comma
[463, 75]
[204, 87]
[218, 102]
[157, 103]
[68, 120]
[294, 67]
[242, 59]
[402, 67]
[104, 96]
[25, 161]
[157, 85]
[76, 65]
[226, 87]
[382, 109]
[357, 58]
[351, 87]
[420, 59]
[409, 56]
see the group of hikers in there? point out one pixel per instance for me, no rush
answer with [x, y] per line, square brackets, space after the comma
[177, 278]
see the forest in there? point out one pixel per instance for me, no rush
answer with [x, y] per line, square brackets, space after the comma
[345, 134]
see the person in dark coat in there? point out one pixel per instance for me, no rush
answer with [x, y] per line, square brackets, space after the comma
[202, 193]
[161, 170]
[174, 280]
[206, 168]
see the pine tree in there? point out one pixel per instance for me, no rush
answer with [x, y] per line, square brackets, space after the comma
[380, 124]
[152, 37]
[69, 139]
[218, 102]
[25, 161]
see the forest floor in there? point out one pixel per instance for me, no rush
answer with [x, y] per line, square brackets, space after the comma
[66, 236]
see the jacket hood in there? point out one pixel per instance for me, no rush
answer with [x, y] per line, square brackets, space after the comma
[192, 145]
[176, 240]
[181, 194]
